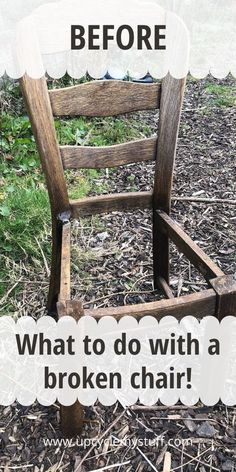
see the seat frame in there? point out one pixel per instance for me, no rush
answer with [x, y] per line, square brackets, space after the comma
[104, 98]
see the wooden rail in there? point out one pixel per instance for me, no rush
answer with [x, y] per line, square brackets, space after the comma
[197, 304]
[91, 157]
[188, 247]
[104, 98]
[111, 202]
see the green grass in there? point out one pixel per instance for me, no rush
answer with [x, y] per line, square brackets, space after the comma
[23, 215]
[99, 131]
[223, 95]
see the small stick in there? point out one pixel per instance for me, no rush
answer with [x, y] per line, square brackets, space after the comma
[204, 200]
[44, 258]
[147, 460]
[15, 467]
[4, 298]
[167, 462]
[194, 459]
[118, 293]
[102, 436]
[162, 407]
[108, 467]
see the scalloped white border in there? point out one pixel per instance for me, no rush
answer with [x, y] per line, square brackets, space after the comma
[24, 25]
[213, 377]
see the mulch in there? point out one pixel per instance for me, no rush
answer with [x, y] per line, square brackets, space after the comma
[112, 264]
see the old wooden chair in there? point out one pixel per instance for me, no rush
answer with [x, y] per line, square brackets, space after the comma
[109, 98]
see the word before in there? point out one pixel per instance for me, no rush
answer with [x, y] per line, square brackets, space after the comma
[96, 37]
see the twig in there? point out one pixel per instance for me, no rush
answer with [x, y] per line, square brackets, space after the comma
[162, 407]
[180, 418]
[193, 459]
[14, 467]
[147, 460]
[102, 436]
[167, 462]
[118, 293]
[205, 200]
[44, 258]
[4, 298]
[107, 467]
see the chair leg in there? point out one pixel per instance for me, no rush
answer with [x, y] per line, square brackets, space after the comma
[160, 253]
[72, 418]
[54, 288]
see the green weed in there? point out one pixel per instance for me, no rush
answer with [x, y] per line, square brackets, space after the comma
[223, 95]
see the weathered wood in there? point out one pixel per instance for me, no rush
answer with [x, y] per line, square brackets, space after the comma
[225, 288]
[72, 418]
[88, 157]
[37, 101]
[55, 277]
[172, 91]
[161, 253]
[65, 263]
[197, 304]
[110, 203]
[36, 97]
[104, 98]
[188, 247]
[72, 308]
[162, 284]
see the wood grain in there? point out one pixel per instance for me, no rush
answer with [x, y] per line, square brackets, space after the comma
[197, 304]
[65, 263]
[72, 419]
[188, 247]
[104, 98]
[72, 308]
[37, 101]
[36, 97]
[110, 203]
[88, 157]
[172, 92]
[225, 288]
[164, 287]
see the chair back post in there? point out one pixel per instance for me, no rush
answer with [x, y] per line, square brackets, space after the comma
[36, 96]
[38, 104]
[172, 93]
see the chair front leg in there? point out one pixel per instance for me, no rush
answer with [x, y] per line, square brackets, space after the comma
[161, 257]
[54, 288]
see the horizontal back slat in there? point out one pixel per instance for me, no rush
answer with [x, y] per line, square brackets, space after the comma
[104, 98]
[112, 202]
[88, 157]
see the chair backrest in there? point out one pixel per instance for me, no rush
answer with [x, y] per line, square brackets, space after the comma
[105, 98]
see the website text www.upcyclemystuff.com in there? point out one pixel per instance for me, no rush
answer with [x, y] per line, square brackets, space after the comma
[112, 441]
